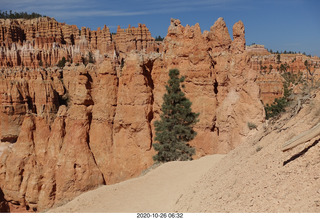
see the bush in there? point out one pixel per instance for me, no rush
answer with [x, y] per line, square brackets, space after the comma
[62, 62]
[252, 126]
[277, 107]
[259, 148]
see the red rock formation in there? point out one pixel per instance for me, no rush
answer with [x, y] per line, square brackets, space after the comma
[271, 87]
[25, 92]
[219, 38]
[104, 40]
[83, 126]
[44, 41]
[133, 38]
[239, 41]
[270, 67]
[256, 49]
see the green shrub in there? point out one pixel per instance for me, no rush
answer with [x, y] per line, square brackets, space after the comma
[62, 62]
[277, 107]
[252, 125]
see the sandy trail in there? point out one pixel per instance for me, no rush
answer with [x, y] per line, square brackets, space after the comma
[157, 191]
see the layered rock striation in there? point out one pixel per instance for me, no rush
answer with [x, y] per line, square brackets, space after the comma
[76, 128]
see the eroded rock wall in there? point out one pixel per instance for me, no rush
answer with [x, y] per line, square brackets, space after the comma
[79, 127]
[44, 42]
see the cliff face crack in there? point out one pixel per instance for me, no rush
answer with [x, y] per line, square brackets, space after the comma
[115, 111]
[215, 87]
[88, 143]
[147, 69]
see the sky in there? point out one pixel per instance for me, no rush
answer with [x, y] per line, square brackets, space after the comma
[291, 25]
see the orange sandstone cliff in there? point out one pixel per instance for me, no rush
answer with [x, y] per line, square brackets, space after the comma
[70, 130]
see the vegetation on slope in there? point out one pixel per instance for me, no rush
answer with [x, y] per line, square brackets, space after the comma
[307, 83]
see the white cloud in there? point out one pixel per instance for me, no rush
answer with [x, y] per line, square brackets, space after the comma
[92, 13]
[82, 8]
[44, 5]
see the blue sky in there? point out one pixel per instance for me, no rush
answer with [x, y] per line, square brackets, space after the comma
[292, 25]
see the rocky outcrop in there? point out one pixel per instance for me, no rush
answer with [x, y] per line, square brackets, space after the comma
[219, 37]
[270, 67]
[271, 87]
[79, 127]
[215, 83]
[239, 41]
[256, 49]
[134, 38]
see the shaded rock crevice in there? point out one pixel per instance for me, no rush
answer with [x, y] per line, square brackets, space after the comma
[4, 207]
[147, 72]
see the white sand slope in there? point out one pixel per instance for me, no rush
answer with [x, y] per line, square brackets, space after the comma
[258, 176]
[157, 191]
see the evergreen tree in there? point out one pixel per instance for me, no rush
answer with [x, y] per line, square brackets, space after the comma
[175, 128]
[278, 58]
[16, 15]
[159, 38]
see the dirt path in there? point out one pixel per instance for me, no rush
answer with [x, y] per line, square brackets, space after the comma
[157, 191]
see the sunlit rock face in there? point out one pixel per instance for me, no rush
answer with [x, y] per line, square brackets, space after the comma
[75, 128]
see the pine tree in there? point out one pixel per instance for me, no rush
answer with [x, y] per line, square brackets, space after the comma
[175, 128]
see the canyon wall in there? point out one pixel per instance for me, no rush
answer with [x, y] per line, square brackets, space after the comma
[44, 41]
[269, 68]
[75, 128]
